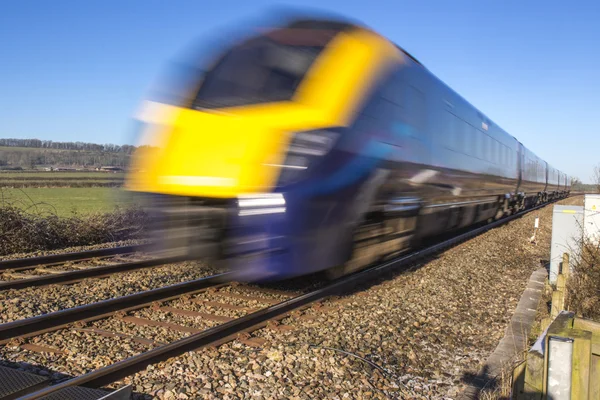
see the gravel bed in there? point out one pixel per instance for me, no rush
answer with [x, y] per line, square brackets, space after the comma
[208, 308]
[420, 333]
[24, 303]
[131, 242]
[156, 333]
[82, 352]
[75, 266]
[427, 330]
[220, 295]
[165, 316]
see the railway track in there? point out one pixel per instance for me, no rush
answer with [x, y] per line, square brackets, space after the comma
[74, 267]
[204, 312]
[64, 257]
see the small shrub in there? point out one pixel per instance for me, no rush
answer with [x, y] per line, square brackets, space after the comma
[583, 286]
[23, 231]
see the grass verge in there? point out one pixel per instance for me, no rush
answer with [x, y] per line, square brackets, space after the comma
[65, 201]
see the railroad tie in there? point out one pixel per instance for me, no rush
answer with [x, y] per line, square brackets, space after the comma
[17, 275]
[248, 298]
[48, 271]
[40, 349]
[224, 305]
[307, 317]
[104, 333]
[191, 313]
[276, 292]
[279, 327]
[168, 325]
[250, 341]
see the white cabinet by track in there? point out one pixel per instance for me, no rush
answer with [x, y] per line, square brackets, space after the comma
[591, 217]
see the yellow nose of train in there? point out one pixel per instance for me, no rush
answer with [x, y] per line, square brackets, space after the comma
[227, 151]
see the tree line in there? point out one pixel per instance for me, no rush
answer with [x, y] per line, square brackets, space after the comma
[83, 146]
[34, 158]
[34, 153]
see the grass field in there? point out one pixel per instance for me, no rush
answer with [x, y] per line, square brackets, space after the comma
[63, 201]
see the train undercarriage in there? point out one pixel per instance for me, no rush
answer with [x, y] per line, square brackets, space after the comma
[211, 230]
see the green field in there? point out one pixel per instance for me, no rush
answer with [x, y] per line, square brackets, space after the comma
[65, 201]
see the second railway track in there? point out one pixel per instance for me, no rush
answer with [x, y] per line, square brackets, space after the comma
[74, 267]
[195, 314]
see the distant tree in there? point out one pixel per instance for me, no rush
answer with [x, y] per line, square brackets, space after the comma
[596, 177]
[82, 146]
[576, 184]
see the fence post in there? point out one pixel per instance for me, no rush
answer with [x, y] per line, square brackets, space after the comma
[559, 295]
[565, 269]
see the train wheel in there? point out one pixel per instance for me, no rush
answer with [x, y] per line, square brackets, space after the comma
[502, 210]
[340, 270]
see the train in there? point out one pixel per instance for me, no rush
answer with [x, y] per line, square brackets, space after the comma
[318, 145]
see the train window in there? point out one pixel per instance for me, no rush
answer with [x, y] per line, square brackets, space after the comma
[374, 106]
[448, 133]
[394, 90]
[389, 113]
[475, 141]
[483, 154]
[453, 132]
[498, 152]
[471, 147]
[459, 134]
[415, 106]
[259, 70]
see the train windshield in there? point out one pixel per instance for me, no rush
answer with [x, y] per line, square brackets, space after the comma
[263, 69]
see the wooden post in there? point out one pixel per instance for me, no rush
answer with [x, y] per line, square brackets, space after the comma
[558, 301]
[560, 283]
[582, 363]
[565, 265]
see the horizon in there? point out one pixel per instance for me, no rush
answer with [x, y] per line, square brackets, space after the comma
[97, 63]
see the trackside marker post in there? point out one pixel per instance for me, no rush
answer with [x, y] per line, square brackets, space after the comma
[536, 225]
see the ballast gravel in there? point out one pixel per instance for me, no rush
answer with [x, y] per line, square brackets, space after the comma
[107, 245]
[419, 334]
[29, 302]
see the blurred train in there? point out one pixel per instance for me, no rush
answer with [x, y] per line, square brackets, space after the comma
[319, 145]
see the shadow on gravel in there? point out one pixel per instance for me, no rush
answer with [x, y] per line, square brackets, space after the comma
[317, 280]
[482, 382]
[54, 376]
[484, 386]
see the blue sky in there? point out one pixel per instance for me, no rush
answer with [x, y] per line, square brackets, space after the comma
[77, 70]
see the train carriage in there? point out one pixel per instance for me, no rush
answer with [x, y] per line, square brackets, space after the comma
[320, 145]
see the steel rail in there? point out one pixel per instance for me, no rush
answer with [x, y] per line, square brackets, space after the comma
[92, 272]
[229, 330]
[59, 319]
[74, 256]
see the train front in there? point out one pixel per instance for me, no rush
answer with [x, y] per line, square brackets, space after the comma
[242, 168]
